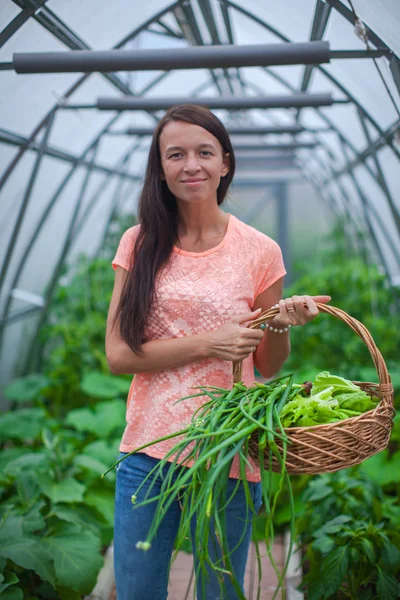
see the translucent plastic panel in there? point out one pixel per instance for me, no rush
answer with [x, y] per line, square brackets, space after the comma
[38, 258]
[352, 201]
[8, 11]
[358, 76]
[88, 240]
[344, 117]
[265, 82]
[30, 97]
[293, 19]
[380, 203]
[102, 25]
[390, 165]
[182, 83]
[112, 149]
[15, 348]
[74, 130]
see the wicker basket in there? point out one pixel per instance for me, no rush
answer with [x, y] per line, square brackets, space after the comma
[334, 446]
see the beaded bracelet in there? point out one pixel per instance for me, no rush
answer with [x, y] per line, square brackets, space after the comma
[266, 326]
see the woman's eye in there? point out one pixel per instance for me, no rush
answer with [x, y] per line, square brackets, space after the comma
[206, 152]
[176, 155]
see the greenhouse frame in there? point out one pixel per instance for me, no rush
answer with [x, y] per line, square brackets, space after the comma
[309, 93]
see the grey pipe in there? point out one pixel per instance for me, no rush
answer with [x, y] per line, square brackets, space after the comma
[300, 100]
[165, 59]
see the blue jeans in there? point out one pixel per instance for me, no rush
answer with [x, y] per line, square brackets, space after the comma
[143, 575]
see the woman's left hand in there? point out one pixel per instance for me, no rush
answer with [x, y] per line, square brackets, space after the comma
[297, 310]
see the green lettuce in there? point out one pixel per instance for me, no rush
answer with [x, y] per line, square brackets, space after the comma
[339, 384]
[357, 401]
[304, 412]
[332, 399]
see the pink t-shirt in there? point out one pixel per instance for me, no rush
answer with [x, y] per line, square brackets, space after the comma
[199, 291]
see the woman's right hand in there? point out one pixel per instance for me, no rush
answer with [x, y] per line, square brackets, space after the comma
[232, 341]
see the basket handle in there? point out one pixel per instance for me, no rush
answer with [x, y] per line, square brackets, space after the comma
[360, 329]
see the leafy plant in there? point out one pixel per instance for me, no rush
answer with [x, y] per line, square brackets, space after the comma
[352, 546]
[56, 515]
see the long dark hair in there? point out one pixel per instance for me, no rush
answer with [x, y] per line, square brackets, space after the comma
[158, 218]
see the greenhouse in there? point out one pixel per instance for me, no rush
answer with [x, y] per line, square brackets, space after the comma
[200, 296]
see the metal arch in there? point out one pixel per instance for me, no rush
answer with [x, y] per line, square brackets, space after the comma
[74, 229]
[49, 21]
[50, 115]
[25, 201]
[22, 17]
[8, 137]
[380, 177]
[168, 9]
[360, 156]
[79, 82]
[321, 18]
[328, 75]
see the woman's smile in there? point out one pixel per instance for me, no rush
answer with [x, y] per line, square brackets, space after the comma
[193, 182]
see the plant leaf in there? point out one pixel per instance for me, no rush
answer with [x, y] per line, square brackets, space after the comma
[28, 553]
[387, 586]
[103, 501]
[334, 569]
[12, 593]
[102, 421]
[67, 490]
[23, 424]
[324, 544]
[27, 388]
[8, 579]
[90, 463]
[77, 558]
[103, 386]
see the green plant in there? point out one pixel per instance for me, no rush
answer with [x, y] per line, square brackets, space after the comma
[352, 545]
[56, 515]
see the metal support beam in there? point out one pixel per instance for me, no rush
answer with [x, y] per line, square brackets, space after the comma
[260, 148]
[264, 130]
[205, 57]
[349, 16]
[321, 17]
[18, 21]
[265, 163]
[225, 102]
[16, 316]
[13, 139]
[251, 182]
[378, 53]
[395, 70]
[380, 142]
[206, 9]
[54, 25]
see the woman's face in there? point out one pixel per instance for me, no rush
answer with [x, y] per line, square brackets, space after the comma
[192, 161]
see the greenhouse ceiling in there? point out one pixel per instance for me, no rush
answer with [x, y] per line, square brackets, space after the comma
[309, 91]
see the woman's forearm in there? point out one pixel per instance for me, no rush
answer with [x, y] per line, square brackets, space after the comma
[272, 352]
[158, 355]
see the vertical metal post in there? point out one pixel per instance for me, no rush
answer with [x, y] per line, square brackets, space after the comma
[282, 206]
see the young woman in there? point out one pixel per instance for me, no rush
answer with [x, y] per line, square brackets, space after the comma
[188, 279]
